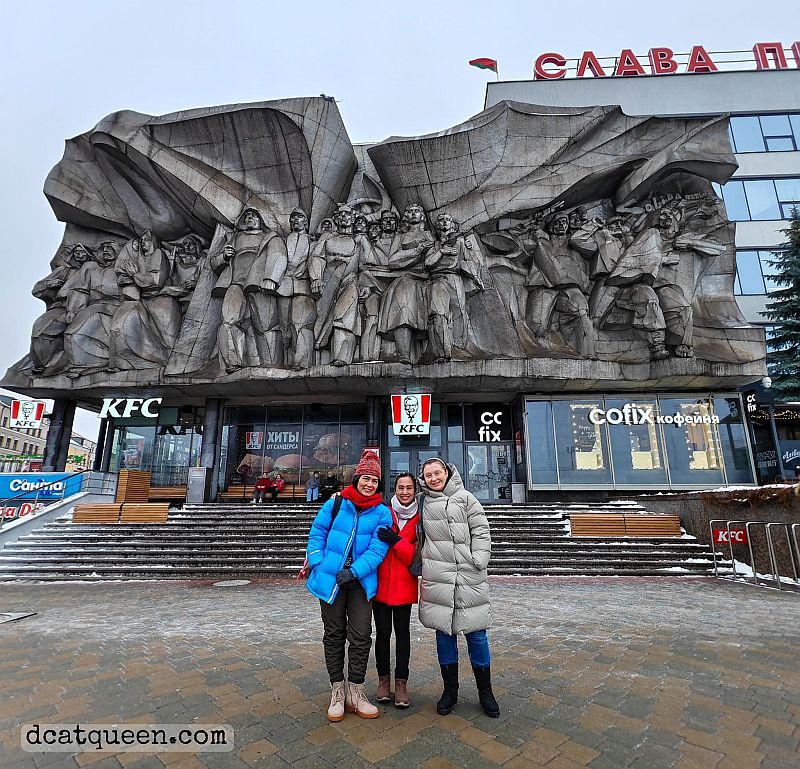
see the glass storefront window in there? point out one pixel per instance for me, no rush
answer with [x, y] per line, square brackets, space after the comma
[133, 449]
[733, 436]
[694, 451]
[176, 450]
[540, 435]
[455, 424]
[636, 449]
[581, 446]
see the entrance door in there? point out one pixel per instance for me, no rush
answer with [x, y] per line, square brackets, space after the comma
[489, 471]
[407, 460]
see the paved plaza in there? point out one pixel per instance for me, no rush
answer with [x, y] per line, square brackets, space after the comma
[601, 673]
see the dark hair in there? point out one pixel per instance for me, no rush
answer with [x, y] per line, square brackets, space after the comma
[356, 479]
[414, 480]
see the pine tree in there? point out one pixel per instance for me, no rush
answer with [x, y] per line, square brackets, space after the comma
[783, 309]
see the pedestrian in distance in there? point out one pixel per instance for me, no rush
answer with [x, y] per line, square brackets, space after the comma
[312, 487]
[344, 553]
[397, 592]
[278, 485]
[329, 486]
[454, 594]
[262, 488]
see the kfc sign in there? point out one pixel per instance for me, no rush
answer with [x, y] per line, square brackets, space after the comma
[124, 408]
[737, 537]
[254, 440]
[411, 414]
[659, 61]
[26, 414]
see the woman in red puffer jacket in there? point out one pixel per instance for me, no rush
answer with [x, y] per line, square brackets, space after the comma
[397, 592]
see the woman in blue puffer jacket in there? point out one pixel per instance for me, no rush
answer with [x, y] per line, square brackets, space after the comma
[344, 553]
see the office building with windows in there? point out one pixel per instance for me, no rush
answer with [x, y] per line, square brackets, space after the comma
[764, 109]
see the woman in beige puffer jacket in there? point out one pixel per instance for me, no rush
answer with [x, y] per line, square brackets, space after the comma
[454, 596]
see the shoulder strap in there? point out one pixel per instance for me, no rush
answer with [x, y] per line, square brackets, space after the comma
[419, 507]
[337, 503]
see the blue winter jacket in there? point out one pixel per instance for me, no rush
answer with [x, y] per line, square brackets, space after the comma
[328, 547]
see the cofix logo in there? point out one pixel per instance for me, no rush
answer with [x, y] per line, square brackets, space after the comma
[26, 414]
[411, 414]
[123, 408]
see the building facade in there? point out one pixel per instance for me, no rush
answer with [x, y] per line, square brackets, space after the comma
[764, 109]
[559, 281]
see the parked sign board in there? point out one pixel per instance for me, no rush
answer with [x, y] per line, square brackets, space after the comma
[737, 536]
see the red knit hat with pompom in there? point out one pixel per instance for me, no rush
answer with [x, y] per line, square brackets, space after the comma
[369, 464]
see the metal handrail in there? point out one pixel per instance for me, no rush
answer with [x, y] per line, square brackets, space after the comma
[790, 531]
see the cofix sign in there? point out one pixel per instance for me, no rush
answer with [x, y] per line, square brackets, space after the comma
[124, 408]
[26, 414]
[411, 414]
[737, 536]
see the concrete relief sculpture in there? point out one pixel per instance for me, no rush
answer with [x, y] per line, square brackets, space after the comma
[525, 233]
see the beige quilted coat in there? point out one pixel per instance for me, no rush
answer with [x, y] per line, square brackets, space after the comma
[454, 596]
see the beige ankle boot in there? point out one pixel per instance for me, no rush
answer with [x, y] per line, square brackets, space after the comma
[401, 698]
[356, 701]
[336, 708]
[384, 691]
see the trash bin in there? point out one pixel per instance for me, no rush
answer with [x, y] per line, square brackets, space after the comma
[518, 494]
[198, 483]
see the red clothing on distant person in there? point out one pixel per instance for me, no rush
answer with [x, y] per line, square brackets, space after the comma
[262, 484]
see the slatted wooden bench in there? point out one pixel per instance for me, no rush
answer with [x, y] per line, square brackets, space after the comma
[625, 525]
[292, 492]
[133, 486]
[597, 524]
[101, 512]
[166, 492]
[652, 525]
[154, 512]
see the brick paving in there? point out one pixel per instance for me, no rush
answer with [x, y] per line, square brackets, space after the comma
[600, 673]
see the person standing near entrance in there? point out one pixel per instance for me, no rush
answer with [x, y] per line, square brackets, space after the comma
[344, 553]
[454, 595]
[397, 592]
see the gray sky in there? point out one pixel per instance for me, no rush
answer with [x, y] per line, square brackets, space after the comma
[68, 64]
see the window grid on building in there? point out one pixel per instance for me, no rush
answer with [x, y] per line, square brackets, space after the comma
[755, 272]
[765, 133]
[760, 199]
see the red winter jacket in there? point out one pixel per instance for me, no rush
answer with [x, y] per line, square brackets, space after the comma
[396, 585]
[262, 484]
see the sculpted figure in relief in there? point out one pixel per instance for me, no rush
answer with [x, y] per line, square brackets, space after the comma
[298, 310]
[558, 280]
[454, 260]
[250, 268]
[403, 316]
[87, 339]
[333, 268]
[144, 329]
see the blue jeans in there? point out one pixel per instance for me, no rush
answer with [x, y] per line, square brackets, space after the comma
[312, 494]
[477, 646]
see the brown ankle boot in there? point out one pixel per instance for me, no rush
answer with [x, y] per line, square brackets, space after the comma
[384, 691]
[401, 698]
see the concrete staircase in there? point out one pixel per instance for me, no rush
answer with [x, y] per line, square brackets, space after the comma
[223, 541]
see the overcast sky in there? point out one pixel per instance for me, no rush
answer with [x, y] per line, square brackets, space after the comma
[401, 71]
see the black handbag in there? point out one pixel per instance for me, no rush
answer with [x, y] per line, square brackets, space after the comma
[416, 562]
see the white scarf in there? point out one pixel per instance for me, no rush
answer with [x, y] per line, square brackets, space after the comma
[404, 514]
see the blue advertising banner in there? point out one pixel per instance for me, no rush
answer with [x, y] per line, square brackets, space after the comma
[48, 486]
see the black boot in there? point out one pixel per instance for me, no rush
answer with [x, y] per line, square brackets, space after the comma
[449, 696]
[483, 677]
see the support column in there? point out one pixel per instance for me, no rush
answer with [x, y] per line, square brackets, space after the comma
[211, 447]
[59, 432]
[374, 420]
[97, 463]
[105, 462]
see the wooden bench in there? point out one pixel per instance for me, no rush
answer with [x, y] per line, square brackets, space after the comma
[292, 492]
[133, 486]
[101, 512]
[145, 513]
[128, 512]
[625, 525]
[167, 492]
[597, 524]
